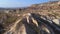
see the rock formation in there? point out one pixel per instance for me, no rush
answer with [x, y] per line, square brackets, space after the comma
[37, 19]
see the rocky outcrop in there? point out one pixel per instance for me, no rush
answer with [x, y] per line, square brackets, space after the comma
[36, 19]
[31, 23]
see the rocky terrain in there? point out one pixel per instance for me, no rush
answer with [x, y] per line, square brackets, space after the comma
[37, 19]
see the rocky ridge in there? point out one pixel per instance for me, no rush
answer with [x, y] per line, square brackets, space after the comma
[36, 19]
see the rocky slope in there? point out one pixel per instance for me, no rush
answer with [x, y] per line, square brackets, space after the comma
[37, 19]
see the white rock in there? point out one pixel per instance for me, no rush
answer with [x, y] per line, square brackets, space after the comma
[56, 21]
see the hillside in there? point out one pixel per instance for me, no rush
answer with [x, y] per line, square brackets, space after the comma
[41, 18]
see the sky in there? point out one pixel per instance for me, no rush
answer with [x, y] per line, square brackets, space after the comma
[19, 3]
